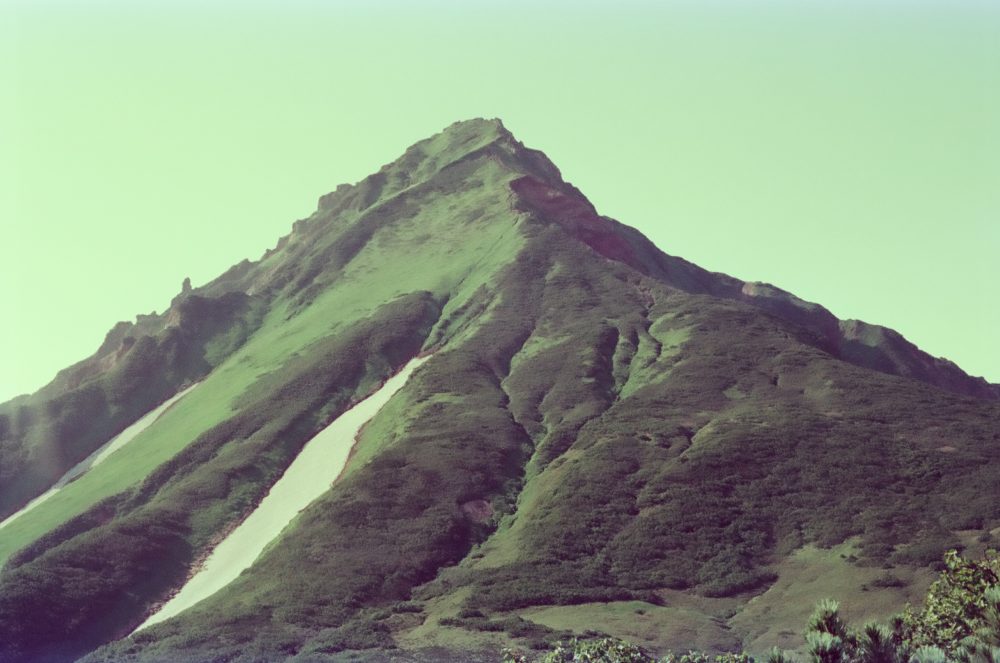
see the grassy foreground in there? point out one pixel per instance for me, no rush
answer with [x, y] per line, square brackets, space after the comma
[959, 621]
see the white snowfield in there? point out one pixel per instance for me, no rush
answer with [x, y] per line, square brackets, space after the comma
[309, 476]
[100, 455]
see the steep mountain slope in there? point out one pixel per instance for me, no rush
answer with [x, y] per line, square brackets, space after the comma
[601, 426]
[137, 367]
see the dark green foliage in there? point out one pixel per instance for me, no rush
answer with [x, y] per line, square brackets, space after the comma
[956, 604]
[407, 607]
[983, 646]
[928, 550]
[358, 634]
[877, 644]
[887, 579]
[87, 590]
[509, 587]
[606, 650]
[613, 650]
[515, 627]
[734, 581]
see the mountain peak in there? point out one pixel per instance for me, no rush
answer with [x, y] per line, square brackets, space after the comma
[483, 125]
[461, 141]
[596, 423]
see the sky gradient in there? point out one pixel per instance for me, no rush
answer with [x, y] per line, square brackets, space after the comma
[849, 153]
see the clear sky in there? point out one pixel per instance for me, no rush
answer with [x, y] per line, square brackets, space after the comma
[846, 151]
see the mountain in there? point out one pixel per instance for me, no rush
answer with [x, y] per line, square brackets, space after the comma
[603, 437]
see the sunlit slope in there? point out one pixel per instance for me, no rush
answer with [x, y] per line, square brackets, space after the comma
[137, 367]
[104, 452]
[600, 424]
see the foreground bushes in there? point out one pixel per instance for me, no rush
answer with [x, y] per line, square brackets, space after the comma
[612, 650]
[958, 623]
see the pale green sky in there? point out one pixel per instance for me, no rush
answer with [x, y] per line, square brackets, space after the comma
[848, 152]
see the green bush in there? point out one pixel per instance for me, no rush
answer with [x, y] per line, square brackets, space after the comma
[605, 650]
[956, 603]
